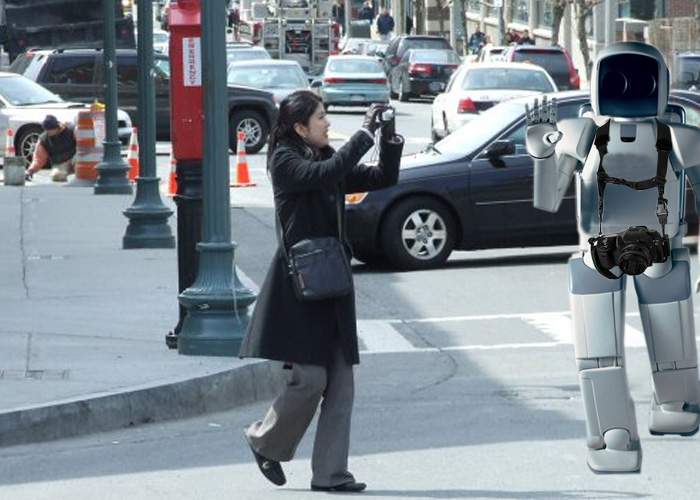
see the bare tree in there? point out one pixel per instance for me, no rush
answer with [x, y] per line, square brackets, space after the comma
[584, 10]
[558, 10]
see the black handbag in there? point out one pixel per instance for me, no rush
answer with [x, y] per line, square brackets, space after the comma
[318, 267]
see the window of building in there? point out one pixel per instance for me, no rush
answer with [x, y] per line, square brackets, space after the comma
[474, 6]
[520, 11]
[623, 8]
[545, 13]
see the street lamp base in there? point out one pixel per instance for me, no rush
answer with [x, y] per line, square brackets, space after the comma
[212, 333]
[148, 218]
[112, 172]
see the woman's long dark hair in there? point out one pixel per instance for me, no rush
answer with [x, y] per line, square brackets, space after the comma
[297, 107]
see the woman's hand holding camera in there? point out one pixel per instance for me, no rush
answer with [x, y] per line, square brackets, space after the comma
[373, 117]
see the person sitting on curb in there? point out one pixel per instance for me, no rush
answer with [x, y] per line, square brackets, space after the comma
[57, 144]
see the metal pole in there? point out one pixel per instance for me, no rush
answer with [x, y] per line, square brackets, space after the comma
[216, 302]
[609, 23]
[148, 216]
[501, 25]
[111, 172]
[348, 7]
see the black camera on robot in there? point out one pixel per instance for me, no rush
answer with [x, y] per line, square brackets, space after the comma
[632, 250]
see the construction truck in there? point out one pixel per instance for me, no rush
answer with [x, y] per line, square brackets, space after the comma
[298, 30]
[59, 23]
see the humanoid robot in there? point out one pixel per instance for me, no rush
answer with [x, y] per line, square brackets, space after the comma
[631, 172]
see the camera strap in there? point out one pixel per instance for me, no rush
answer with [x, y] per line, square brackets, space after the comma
[663, 148]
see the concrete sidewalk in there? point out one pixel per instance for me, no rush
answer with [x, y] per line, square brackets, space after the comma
[82, 324]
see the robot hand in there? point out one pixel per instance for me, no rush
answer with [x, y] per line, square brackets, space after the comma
[542, 134]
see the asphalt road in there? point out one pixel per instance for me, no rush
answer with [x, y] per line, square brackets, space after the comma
[467, 389]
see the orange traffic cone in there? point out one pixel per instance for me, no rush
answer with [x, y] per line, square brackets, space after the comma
[172, 178]
[10, 144]
[133, 156]
[242, 174]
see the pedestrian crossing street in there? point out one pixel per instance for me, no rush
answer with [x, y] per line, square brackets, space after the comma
[482, 332]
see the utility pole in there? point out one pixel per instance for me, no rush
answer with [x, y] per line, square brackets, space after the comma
[112, 170]
[148, 216]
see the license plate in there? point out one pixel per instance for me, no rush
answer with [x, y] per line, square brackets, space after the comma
[436, 86]
[357, 98]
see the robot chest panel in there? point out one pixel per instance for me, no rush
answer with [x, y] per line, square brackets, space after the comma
[623, 206]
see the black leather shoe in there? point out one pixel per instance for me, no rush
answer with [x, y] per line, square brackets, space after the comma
[351, 487]
[270, 469]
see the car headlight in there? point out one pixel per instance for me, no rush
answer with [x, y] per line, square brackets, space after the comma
[355, 198]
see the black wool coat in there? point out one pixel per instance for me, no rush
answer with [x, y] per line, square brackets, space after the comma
[283, 328]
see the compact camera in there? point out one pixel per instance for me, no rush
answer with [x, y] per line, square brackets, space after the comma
[388, 123]
[632, 250]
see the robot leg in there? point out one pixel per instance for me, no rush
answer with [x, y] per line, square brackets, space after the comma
[666, 308]
[598, 306]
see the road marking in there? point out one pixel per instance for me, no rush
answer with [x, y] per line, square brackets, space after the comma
[558, 327]
[380, 336]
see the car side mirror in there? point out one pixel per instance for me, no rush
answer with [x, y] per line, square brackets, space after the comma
[500, 148]
[316, 84]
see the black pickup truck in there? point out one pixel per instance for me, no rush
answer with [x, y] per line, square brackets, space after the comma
[77, 75]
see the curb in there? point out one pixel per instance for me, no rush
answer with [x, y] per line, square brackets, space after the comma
[182, 398]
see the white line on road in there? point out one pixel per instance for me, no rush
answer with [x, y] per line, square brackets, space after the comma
[559, 328]
[380, 336]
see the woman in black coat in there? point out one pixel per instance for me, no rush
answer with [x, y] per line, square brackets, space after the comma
[317, 341]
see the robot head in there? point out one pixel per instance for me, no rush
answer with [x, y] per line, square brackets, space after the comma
[629, 80]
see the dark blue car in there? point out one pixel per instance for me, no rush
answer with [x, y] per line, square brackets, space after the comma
[473, 190]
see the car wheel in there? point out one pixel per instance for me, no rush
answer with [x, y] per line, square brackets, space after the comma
[255, 128]
[326, 106]
[26, 143]
[418, 233]
[403, 95]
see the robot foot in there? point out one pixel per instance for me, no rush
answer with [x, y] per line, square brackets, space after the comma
[620, 454]
[673, 418]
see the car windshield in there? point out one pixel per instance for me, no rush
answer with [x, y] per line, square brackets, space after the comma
[427, 43]
[435, 56]
[246, 55]
[355, 66]
[554, 62]
[21, 91]
[688, 70]
[482, 129]
[267, 77]
[506, 79]
[356, 44]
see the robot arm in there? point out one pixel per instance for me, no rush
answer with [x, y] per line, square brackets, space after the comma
[557, 152]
